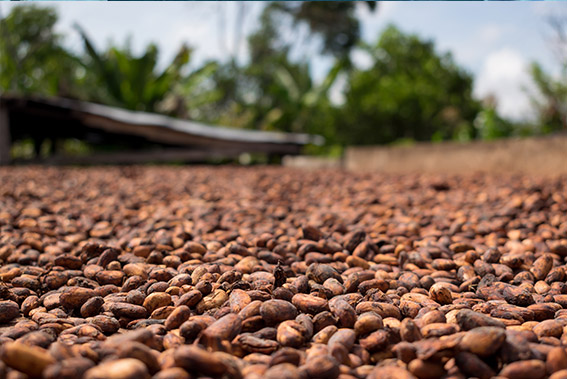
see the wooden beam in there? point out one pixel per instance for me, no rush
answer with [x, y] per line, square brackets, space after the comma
[163, 135]
[5, 139]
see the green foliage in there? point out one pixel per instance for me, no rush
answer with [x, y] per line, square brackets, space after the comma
[272, 92]
[491, 125]
[132, 82]
[32, 59]
[73, 146]
[328, 150]
[23, 149]
[26, 148]
[551, 100]
[410, 91]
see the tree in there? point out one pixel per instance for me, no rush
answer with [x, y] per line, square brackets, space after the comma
[551, 99]
[32, 59]
[272, 92]
[334, 21]
[410, 92]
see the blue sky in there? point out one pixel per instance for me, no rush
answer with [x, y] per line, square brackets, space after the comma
[493, 40]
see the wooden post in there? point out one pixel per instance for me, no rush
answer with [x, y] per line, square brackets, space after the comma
[5, 139]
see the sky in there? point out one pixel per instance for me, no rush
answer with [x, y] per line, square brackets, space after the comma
[495, 41]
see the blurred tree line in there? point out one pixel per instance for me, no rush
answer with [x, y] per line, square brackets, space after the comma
[409, 91]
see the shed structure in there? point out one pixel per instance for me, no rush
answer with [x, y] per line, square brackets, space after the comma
[143, 137]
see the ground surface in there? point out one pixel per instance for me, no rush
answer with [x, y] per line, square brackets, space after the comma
[172, 272]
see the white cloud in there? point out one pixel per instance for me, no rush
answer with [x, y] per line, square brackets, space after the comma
[491, 33]
[504, 74]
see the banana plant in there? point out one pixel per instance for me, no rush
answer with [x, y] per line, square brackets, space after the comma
[133, 82]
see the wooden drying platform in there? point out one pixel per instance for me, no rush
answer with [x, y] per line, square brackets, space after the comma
[143, 137]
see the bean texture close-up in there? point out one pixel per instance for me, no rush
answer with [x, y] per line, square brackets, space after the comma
[169, 272]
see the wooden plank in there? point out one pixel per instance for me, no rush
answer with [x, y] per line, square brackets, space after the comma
[174, 137]
[5, 139]
[194, 128]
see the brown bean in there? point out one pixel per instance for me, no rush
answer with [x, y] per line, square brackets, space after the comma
[483, 341]
[192, 358]
[9, 310]
[345, 314]
[179, 315]
[157, 300]
[467, 319]
[426, 369]
[75, 297]
[368, 322]
[390, 372]
[440, 294]
[275, 311]
[30, 360]
[556, 360]
[309, 304]
[532, 369]
[127, 368]
[324, 367]
[214, 300]
[92, 306]
[128, 310]
[291, 333]
[69, 368]
[225, 328]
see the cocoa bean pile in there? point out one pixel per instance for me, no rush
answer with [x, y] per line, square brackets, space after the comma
[267, 272]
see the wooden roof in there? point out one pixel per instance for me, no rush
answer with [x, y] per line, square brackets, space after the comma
[154, 127]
